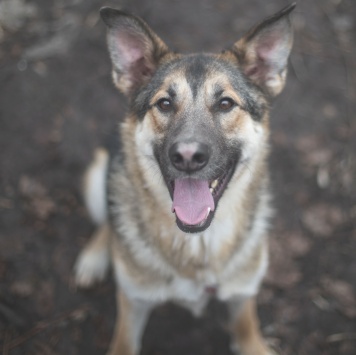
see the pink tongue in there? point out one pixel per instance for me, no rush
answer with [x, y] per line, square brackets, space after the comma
[192, 200]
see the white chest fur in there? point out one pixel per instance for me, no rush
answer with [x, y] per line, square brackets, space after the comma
[234, 279]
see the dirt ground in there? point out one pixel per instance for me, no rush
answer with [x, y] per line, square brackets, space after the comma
[57, 103]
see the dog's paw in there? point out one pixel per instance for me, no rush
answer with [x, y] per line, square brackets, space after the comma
[270, 351]
[254, 349]
[90, 267]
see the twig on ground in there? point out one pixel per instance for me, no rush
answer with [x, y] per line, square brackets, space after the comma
[77, 314]
[334, 338]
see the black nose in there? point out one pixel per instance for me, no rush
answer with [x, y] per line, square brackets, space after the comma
[189, 157]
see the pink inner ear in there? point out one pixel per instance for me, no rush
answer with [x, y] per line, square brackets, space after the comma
[268, 47]
[131, 49]
[269, 51]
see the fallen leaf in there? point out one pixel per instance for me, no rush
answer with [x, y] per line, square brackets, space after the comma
[40, 203]
[298, 244]
[322, 219]
[21, 288]
[343, 293]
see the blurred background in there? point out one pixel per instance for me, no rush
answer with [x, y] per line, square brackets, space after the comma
[57, 103]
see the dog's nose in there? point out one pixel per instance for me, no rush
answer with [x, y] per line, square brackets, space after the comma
[189, 157]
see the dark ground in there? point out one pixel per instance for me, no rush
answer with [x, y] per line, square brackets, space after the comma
[57, 103]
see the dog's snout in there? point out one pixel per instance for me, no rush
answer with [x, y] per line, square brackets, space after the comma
[189, 157]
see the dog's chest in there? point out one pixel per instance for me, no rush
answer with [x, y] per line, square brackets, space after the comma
[200, 260]
[195, 255]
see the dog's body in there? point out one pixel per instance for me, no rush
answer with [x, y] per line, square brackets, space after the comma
[196, 134]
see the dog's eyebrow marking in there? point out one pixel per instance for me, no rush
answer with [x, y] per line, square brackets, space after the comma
[221, 90]
[169, 92]
[218, 90]
[172, 92]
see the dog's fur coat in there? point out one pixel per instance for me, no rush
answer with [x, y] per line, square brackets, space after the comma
[196, 123]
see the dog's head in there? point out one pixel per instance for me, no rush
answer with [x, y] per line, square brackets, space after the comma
[201, 118]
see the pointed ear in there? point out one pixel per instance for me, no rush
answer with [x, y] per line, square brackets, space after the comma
[263, 52]
[134, 48]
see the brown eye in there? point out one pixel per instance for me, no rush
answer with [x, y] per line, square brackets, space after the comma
[165, 105]
[226, 104]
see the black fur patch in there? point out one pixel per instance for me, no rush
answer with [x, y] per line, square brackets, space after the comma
[196, 72]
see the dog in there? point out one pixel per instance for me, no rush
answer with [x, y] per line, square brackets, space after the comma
[183, 204]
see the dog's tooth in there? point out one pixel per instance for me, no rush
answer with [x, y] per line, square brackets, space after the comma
[211, 190]
[207, 213]
[214, 183]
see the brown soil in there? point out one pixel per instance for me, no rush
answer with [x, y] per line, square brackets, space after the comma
[57, 103]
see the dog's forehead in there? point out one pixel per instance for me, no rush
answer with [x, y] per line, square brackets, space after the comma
[197, 78]
[199, 72]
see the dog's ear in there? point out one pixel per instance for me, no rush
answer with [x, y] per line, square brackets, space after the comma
[263, 52]
[134, 48]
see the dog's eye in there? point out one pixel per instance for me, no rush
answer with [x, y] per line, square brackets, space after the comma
[226, 104]
[164, 105]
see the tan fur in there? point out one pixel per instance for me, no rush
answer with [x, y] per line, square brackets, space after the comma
[246, 332]
[97, 248]
[121, 341]
[153, 260]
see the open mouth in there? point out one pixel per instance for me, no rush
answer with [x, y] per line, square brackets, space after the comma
[195, 200]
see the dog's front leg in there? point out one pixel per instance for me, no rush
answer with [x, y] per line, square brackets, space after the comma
[130, 323]
[244, 328]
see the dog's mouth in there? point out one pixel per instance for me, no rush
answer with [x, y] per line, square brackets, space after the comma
[195, 200]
